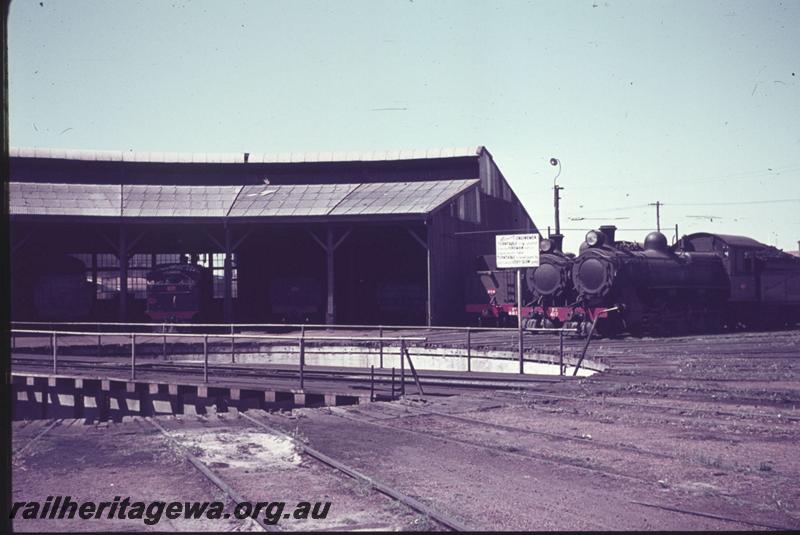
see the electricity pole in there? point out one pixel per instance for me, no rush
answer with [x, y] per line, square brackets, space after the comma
[658, 206]
[556, 162]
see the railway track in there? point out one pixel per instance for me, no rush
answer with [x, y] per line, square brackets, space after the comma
[45, 427]
[571, 463]
[444, 521]
[474, 424]
[209, 474]
[643, 403]
[409, 411]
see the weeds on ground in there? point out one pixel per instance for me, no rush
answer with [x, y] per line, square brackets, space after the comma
[298, 435]
[361, 488]
[424, 523]
[710, 462]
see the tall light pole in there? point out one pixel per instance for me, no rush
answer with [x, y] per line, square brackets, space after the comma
[555, 162]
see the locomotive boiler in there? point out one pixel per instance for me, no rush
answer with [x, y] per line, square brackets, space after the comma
[551, 285]
[655, 290]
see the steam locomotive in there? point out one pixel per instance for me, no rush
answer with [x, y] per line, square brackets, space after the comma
[551, 285]
[703, 283]
[62, 291]
[295, 299]
[656, 290]
[178, 293]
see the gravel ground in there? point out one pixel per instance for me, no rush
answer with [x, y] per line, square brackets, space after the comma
[695, 424]
[100, 462]
[133, 459]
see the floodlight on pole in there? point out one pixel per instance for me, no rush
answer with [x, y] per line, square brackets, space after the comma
[555, 162]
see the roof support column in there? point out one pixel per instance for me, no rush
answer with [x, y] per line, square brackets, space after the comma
[330, 246]
[426, 244]
[228, 305]
[121, 249]
[428, 266]
[228, 246]
[123, 273]
[330, 312]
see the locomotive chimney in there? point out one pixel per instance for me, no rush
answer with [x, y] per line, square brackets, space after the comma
[609, 231]
[558, 242]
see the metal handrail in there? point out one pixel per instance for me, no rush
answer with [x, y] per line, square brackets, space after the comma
[302, 338]
[235, 335]
[468, 342]
[294, 325]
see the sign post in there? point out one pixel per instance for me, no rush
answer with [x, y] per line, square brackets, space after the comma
[517, 251]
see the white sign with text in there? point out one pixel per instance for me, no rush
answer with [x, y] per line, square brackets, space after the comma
[517, 250]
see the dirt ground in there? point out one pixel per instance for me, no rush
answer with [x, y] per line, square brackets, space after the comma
[694, 433]
[683, 433]
[133, 459]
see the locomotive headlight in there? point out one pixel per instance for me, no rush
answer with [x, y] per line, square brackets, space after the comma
[545, 246]
[593, 238]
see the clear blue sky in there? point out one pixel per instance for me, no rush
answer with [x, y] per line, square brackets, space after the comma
[679, 102]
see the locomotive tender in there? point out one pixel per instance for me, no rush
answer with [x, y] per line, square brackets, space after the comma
[764, 281]
[494, 301]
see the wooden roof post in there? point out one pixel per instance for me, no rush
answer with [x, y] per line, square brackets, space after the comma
[122, 254]
[426, 243]
[330, 315]
[228, 305]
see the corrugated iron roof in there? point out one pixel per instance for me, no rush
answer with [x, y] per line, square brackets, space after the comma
[64, 199]
[356, 199]
[290, 200]
[400, 197]
[166, 201]
[238, 157]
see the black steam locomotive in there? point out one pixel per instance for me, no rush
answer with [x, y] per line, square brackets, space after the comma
[703, 283]
[656, 290]
[178, 293]
[62, 291]
[551, 285]
[296, 299]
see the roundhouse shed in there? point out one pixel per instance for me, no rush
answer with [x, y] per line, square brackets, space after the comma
[358, 238]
